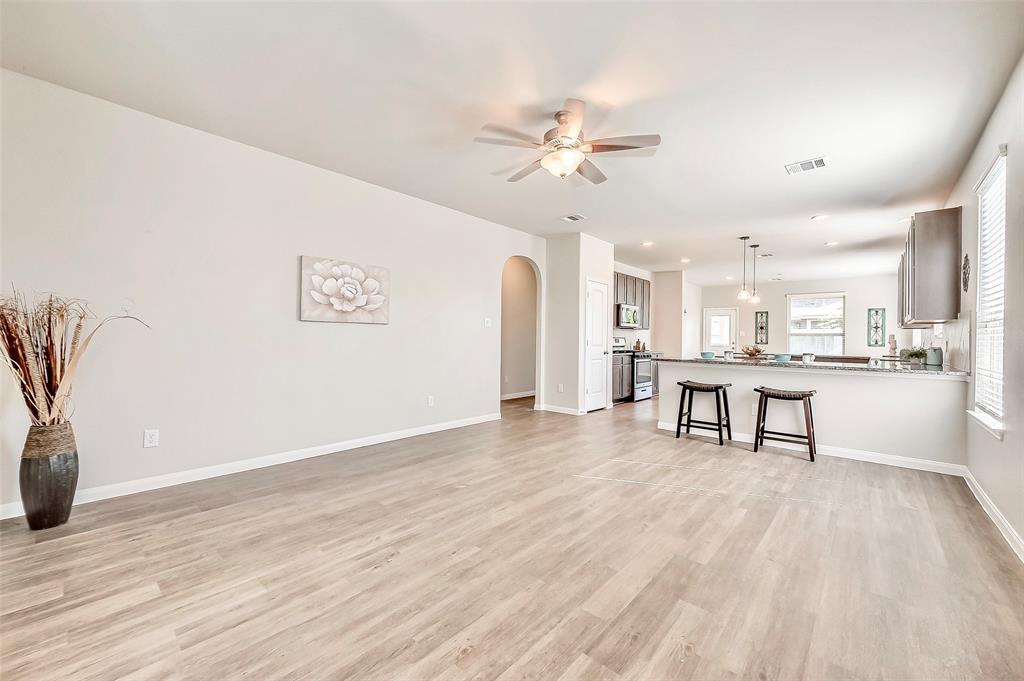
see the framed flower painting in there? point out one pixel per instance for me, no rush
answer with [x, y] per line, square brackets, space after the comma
[333, 290]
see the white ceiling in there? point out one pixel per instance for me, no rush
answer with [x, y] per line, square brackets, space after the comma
[893, 94]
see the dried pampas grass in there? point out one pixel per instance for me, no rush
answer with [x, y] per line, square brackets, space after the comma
[42, 344]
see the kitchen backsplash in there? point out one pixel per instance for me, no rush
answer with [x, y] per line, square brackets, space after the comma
[955, 340]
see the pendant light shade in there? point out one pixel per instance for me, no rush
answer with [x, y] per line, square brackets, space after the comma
[744, 294]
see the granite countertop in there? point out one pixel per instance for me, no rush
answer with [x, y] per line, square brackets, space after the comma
[887, 367]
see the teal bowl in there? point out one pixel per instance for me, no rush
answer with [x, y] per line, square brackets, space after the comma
[707, 355]
[783, 358]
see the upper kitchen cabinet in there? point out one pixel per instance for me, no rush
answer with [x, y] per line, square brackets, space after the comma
[929, 272]
[634, 291]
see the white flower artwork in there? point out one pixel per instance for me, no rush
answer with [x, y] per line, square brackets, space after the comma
[338, 291]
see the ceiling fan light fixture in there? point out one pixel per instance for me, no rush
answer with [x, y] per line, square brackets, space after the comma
[563, 161]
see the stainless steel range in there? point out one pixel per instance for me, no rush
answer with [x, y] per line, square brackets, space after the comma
[643, 376]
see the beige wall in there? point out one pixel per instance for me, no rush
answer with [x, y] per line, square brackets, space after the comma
[861, 293]
[518, 327]
[667, 313]
[200, 237]
[563, 323]
[998, 465]
[693, 318]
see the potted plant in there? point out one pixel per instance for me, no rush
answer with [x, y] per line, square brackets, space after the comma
[42, 345]
[914, 356]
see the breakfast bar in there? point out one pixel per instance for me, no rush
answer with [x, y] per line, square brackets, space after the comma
[888, 414]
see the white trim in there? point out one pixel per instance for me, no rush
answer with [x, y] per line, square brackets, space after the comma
[998, 519]
[988, 423]
[1002, 152]
[120, 489]
[856, 454]
[559, 410]
[516, 396]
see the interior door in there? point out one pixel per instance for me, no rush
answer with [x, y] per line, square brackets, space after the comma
[720, 329]
[597, 326]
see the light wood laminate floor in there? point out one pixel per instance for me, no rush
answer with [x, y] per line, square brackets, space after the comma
[540, 546]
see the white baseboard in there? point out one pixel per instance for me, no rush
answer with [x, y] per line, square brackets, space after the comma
[516, 396]
[559, 410]
[1000, 521]
[84, 496]
[857, 454]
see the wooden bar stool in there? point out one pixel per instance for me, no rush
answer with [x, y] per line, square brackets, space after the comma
[721, 396]
[761, 434]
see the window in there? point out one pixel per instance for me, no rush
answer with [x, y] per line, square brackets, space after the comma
[817, 323]
[988, 375]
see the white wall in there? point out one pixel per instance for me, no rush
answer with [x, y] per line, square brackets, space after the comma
[667, 313]
[998, 466]
[693, 318]
[200, 237]
[518, 327]
[633, 335]
[861, 293]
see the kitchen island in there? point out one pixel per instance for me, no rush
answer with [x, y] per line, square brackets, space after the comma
[893, 415]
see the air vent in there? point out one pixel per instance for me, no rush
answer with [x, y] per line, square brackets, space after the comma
[765, 255]
[575, 217]
[804, 166]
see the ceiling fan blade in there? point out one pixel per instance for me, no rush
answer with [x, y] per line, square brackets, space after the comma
[510, 132]
[627, 142]
[574, 121]
[506, 143]
[525, 171]
[591, 172]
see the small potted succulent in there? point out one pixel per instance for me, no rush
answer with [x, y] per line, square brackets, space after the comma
[41, 344]
[914, 356]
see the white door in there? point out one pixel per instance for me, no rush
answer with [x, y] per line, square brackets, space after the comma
[597, 326]
[719, 329]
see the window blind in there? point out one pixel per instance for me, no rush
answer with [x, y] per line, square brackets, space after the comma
[988, 380]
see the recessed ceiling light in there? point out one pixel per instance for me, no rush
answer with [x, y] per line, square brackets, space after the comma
[776, 279]
[729, 278]
[830, 244]
[684, 260]
[819, 217]
[906, 219]
[647, 243]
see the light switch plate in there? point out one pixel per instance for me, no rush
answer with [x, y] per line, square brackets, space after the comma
[487, 322]
[151, 438]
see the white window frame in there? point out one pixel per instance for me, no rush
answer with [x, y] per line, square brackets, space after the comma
[989, 413]
[789, 314]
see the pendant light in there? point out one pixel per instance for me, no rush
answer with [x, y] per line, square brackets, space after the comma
[744, 294]
[754, 298]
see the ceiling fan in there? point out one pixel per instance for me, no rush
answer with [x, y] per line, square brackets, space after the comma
[564, 148]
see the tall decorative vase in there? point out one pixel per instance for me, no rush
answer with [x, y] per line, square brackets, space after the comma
[49, 475]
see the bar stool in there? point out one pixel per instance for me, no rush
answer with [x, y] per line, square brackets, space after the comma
[721, 396]
[761, 434]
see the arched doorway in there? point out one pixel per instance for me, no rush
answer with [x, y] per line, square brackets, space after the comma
[520, 330]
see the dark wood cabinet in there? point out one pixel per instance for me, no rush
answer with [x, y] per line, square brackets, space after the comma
[632, 290]
[929, 271]
[622, 376]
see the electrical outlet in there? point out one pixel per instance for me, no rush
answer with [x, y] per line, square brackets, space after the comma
[506, 379]
[561, 387]
[487, 322]
[753, 409]
[151, 438]
[430, 400]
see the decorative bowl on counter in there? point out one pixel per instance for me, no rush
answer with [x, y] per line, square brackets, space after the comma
[751, 351]
[783, 358]
[707, 355]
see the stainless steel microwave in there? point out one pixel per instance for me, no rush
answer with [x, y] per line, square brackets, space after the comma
[629, 316]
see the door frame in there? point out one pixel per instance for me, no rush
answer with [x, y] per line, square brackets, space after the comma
[706, 327]
[607, 345]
